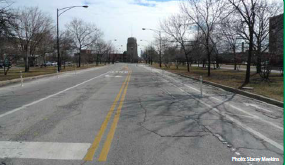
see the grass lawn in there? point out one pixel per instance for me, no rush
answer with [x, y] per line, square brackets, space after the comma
[272, 88]
[14, 72]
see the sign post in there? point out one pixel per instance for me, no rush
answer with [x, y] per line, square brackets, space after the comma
[21, 76]
[201, 83]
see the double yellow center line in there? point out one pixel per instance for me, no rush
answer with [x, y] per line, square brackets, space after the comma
[107, 144]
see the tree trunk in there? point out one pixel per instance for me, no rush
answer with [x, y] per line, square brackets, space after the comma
[160, 60]
[217, 62]
[258, 65]
[4, 70]
[97, 59]
[209, 57]
[79, 57]
[188, 67]
[258, 61]
[64, 61]
[247, 76]
[209, 65]
[109, 59]
[187, 62]
[27, 62]
[235, 60]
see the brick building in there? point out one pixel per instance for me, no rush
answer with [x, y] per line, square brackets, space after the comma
[276, 38]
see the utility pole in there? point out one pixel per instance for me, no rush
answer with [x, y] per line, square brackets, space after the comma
[57, 32]
[159, 48]
[159, 33]
[57, 38]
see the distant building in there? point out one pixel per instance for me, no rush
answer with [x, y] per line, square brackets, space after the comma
[117, 57]
[132, 52]
[276, 37]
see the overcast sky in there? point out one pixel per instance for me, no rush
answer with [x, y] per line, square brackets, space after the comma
[118, 19]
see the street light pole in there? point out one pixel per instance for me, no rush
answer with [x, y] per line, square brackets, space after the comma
[149, 56]
[57, 31]
[159, 49]
[159, 33]
[57, 38]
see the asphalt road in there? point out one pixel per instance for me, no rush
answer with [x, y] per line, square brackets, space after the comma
[128, 114]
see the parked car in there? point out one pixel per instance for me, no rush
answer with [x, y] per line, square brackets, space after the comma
[6, 64]
[54, 64]
[48, 63]
[68, 63]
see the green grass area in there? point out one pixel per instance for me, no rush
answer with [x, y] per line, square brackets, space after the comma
[272, 88]
[14, 72]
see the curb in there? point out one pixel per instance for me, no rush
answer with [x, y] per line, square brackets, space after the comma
[244, 93]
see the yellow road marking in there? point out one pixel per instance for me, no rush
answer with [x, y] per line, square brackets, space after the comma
[95, 144]
[107, 144]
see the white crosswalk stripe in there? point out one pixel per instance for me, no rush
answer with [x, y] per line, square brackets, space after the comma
[43, 150]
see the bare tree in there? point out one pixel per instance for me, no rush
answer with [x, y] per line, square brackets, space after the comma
[66, 46]
[205, 14]
[6, 25]
[98, 49]
[46, 47]
[264, 11]
[177, 29]
[170, 55]
[32, 26]
[151, 54]
[7, 18]
[107, 50]
[247, 13]
[229, 37]
[83, 34]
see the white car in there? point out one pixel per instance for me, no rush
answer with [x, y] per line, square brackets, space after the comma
[48, 63]
[68, 63]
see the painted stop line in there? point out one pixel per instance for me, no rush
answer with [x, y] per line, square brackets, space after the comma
[43, 150]
[122, 72]
[112, 76]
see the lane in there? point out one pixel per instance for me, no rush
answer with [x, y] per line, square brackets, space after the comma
[70, 119]
[50, 96]
[257, 127]
[34, 90]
